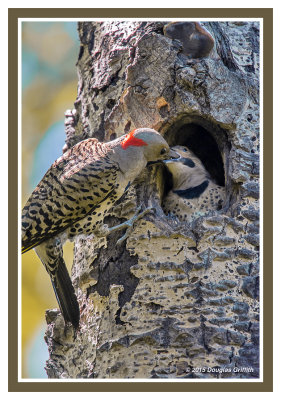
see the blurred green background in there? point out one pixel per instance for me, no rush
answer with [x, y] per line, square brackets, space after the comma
[49, 87]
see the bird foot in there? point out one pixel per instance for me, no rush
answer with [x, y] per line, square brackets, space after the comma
[129, 224]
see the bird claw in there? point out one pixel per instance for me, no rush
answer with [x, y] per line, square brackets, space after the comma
[102, 231]
[129, 224]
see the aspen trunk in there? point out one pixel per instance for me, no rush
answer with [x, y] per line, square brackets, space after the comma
[175, 300]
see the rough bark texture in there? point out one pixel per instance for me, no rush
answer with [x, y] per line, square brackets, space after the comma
[175, 300]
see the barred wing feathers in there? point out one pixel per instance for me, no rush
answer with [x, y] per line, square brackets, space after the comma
[71, 189]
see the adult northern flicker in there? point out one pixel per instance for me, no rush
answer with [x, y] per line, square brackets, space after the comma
[194, 193]
[74, 196]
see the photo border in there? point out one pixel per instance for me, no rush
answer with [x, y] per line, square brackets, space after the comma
[189, 386]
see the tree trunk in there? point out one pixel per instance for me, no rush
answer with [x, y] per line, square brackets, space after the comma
[175, 300]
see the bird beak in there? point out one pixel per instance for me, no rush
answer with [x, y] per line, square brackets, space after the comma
[173, 156]
[170, 157]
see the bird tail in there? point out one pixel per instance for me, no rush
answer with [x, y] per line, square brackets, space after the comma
[65, 294]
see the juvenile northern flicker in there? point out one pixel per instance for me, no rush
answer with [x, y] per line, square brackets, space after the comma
[194, 193]
[74, 196]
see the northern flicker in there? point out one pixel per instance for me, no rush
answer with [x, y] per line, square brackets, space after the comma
[74, 196]
[193, 191]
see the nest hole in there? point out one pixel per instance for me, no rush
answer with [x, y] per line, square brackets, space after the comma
[204, 146]
[208, 142]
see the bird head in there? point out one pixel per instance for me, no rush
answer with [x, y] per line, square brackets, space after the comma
[150, 142]
[187, 170]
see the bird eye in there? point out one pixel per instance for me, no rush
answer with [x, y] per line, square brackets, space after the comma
[163, 151]
[185, 150]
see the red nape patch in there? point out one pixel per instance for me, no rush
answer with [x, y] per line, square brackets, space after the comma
[131, 140]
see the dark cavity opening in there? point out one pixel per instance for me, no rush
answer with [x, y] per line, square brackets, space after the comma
[210, 146]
